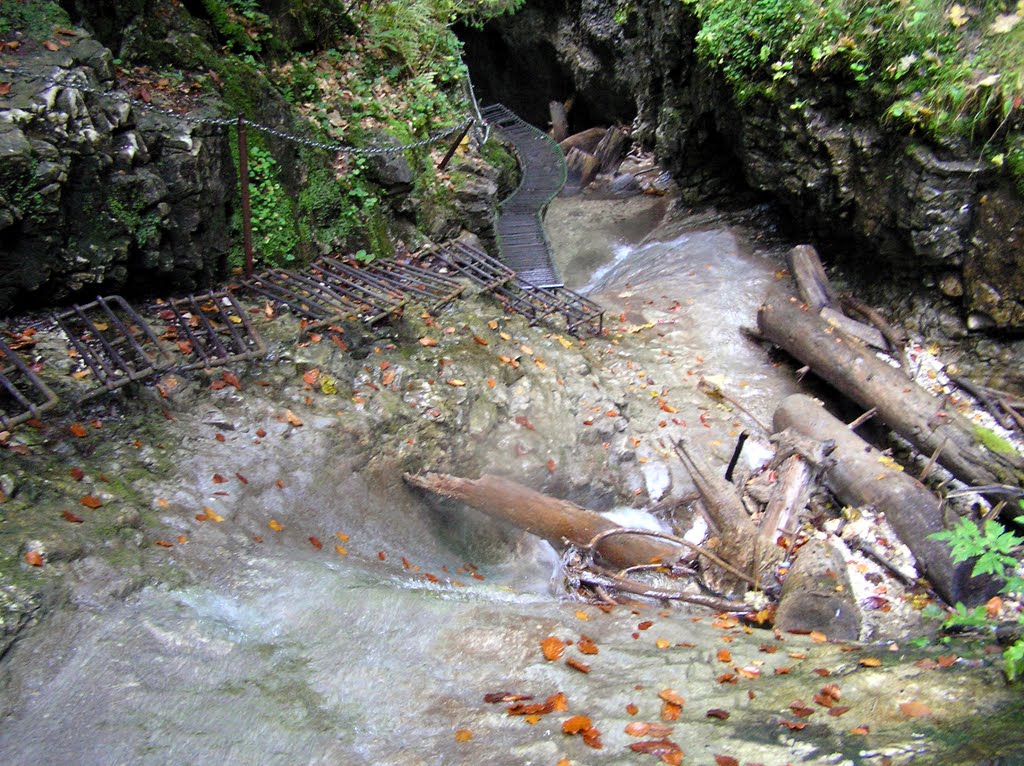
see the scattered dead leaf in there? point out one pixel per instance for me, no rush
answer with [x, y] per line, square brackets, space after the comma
[915, 709]
[576, 664]
[78, 430]
[552, 647]
[717, 712]
[34, 558]
[275, 525]
[463, 735]
[91, 501]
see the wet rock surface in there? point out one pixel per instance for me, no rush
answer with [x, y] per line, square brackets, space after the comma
[97, 195]
[258, 585]
[865, 193]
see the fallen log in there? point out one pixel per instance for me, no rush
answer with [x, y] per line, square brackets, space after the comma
[557, 521]
[723, 509]
[811, 281]
[581, 168]
[559, 121]
[586, 140]
[914, 413]
[858, 475]
[611, 149]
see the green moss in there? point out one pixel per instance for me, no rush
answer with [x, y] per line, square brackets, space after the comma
[993, 442]
[922, 64]
[34, 18]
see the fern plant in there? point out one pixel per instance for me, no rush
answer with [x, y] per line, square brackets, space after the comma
[996, 551]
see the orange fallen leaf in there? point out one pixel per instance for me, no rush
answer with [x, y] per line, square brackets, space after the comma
[77, 474]
[342, 536]
[50, 45]
[427, 342]
[576, 724]
[342, 551]
[946, 660]
[838, 710]
[455, 382]
[818, 637]
[218, 479]
[91, 501]
[311, 376]
[551, 465]
[275, 525]
[670, 711]
[586, 645]
[493, 324]
[672, 696]
[726, 760]
[576, 664]
[666, 407]
[637, 728]
[212, 515]
[914, 709]
[663, 643]
[78, 430]
[793, 725]
[557, 702]
[860, 730]
[34, 558]
[71, 517]
[315, 542]
[292, 418]
[553, 647]
[388, 378]
[220, 437]
[463, 735]
[724, 655]
[163, 543]
[481, 341]
[870, 662]
[632, 709]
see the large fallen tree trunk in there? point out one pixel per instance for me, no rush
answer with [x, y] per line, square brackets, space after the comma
[924, 420]
[859, 475]
[557, 521]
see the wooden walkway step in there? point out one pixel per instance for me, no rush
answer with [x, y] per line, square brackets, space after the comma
[521, 240]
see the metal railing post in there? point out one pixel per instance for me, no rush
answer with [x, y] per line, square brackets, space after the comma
[455, 146]
[243, 180]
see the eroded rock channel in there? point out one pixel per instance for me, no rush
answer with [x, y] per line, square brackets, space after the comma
[257, 584]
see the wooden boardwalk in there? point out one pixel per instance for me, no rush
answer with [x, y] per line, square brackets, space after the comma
[521, 240]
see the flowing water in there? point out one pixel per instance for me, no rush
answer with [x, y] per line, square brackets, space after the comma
[273, 653]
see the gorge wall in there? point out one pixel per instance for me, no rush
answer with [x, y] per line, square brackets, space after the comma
[887, 202]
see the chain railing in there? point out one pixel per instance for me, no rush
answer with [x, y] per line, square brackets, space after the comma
[79, 81]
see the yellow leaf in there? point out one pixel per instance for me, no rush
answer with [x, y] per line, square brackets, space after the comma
[212, 515]
[275, 525]
[663, 643]
[505, 336]
[342, 536]
[235, 320]
[958, 15]
[455, 382]
[564, 341]
[463, 735]
[292, 418]
[341, 550]
[1004, 23]
[580, 615]
[888, 462]
[327, 385]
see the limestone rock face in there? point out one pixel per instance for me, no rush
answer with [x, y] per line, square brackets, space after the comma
[98, 196]
[926, 213]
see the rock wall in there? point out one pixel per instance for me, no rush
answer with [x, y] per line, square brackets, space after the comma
[929, 215]
[98, 195]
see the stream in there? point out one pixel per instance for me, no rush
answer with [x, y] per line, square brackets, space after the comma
[264, 649]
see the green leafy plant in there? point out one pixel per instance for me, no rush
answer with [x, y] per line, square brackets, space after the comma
[995, 550]
[273, 218]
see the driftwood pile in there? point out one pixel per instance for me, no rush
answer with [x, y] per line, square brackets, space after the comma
[755, 525]
[589, 153]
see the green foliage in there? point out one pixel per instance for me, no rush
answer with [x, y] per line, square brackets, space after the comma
[34, 18]
[996, 552]
[274, 221]
[926, 64]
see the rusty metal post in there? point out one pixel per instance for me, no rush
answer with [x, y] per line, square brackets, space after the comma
[243, 180]
[455, 146]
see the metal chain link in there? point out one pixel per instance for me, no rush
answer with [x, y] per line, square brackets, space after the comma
[78, 81]
[484, 135]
